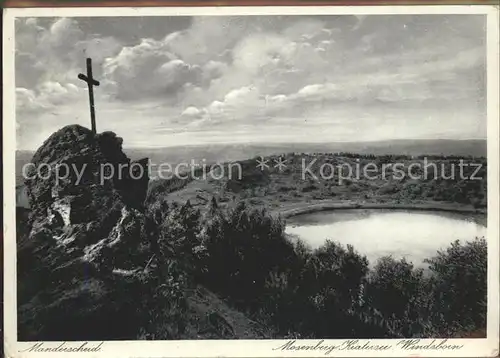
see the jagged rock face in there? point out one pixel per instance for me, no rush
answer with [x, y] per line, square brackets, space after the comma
[80, 267]
[88, 263]
[139, 174]
[74, 158]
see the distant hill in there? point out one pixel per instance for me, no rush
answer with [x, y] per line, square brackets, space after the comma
[232, 152]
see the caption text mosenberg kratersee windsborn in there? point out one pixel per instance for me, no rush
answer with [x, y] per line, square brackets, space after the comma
[355, 345]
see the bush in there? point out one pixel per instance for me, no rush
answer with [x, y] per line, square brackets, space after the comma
[459, 287]
[165, 307]
[336, 277]
[396, 290]
[243, 254]
[242, 247]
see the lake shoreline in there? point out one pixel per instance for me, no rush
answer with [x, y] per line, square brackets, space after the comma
[377, 230]
[308, 208]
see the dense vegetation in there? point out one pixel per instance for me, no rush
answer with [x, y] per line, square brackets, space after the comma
[242, 254]
[391, 179]
[215, 236]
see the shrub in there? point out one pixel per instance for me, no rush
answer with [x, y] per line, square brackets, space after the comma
[397, 291]
[336, 277]
[242, 247]
[459, 287]
[164, 307]
[243, 254]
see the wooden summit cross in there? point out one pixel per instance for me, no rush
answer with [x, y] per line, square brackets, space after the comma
[91, 83]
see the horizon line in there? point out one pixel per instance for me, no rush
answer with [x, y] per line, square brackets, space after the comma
[289, 143]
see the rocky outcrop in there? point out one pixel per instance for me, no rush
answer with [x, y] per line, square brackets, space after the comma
[139, 170]
[89, 265]
[74, 158]
[81, 262]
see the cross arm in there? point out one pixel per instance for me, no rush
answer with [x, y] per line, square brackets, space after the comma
[90, 81]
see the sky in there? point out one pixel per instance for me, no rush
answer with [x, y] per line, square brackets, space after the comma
[168, 81]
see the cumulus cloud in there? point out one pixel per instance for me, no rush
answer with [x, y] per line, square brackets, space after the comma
[46, 95]
[191, 112]
[214, 69]
[26, 100]
[152, 69]
[99, 49]
[47, 62]
[229, 71]
[316, 90]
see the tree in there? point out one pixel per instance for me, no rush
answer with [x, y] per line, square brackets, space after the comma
[397, 291]
[459, 287]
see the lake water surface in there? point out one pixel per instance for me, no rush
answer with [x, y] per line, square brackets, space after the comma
[415, 235]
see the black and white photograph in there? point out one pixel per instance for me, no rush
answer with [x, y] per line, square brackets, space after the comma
[324, 181]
